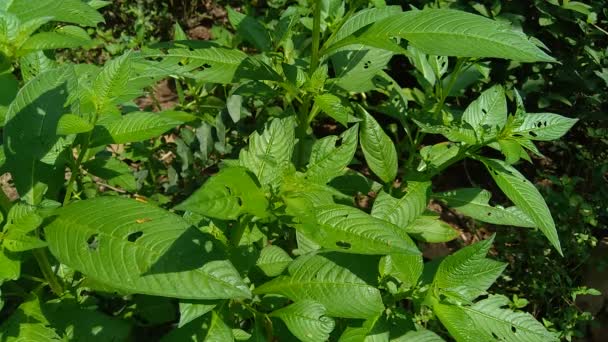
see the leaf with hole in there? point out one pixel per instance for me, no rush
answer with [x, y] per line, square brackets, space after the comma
[349, 230]
[140, 248]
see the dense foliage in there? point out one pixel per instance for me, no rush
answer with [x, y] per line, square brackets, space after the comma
[285, 192]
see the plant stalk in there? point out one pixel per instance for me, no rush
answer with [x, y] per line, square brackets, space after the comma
[316, 36]
[45, 267]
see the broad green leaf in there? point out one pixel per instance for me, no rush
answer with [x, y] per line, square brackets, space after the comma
[209, 63]
[269, 153]
[458, 323]
[525, 196]
[113, 170]
[378, 149]
[373, 330]
[273, 260]
[132, 127]
[335, 285]
[210, 328]
[467, 272]
[362, 19]
[69, 11]
[73, 124]
[494, 321]
[77, 322]
[488, 113]
[356, 66]
[28, 323]
[9, 86]
[406, 268]
[512, 150]
[34, 64]
[10, 266]
[21, 242]
[111, 84]
[445, 32]
[139, 248]
[475, 203]
[227, 195]
[190, 310]
[331, 155]
[306, 320]
[544, 126]
[250, 29]
[422, 335]
[435, 157]
[332, 105]
[62, 38]
[30, 133]
[429, 228]
[350, 230]
[402, 211]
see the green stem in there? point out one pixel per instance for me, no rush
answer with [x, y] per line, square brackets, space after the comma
[76, 170]
[45, 267]
[316, 36]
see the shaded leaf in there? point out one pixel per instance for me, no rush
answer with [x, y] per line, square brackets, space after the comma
[306, 320]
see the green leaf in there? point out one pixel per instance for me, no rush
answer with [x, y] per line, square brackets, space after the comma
[406, 268]
[350, 230]
[475, 203]
[332, 105]
[544, 126]
[331, 155]
[250, 29]
[227, 195]
[132, 127]
[378, 149]
[373, 330]
[445, 32]
[356, 66]
[361, 19]
[191, 310]
[36, 110]
[525, 196]
[273, 260]
[488, 113]
[331, 280]
[435, 157]
[458, 323]
[269, 153]
[429, 228]
[69, 11]
[512, 150]
[467, 272]
[111, 84]
[209, 63]
[421, 335]
[210, 328]
[62, 38]
[306, 320]
[77, 322]
[9, 87]
[73, 124]
[403, 211]
[113, 170]
[10, 266]
[494, 321]
[139, 248]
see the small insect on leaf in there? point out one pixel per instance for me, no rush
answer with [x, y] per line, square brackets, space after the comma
[143, 220]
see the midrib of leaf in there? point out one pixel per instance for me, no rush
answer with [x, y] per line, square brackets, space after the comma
[266, 153]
